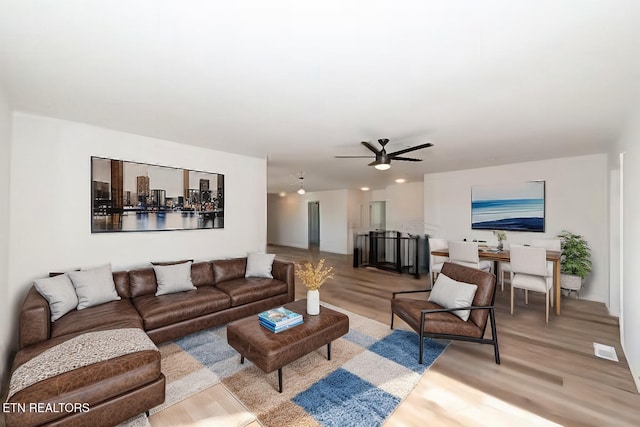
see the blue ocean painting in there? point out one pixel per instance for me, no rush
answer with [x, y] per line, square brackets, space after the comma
[512, 207]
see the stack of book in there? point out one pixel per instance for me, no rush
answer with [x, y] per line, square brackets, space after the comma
[279, 319]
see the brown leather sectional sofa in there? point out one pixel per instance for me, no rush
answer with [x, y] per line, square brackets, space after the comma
[120, 388]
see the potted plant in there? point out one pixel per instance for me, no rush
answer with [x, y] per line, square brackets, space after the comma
[575, 261]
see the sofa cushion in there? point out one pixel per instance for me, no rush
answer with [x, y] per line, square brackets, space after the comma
[94, 286]
[202, 274]
[142, 281]
[250, 289]
[444, 323]
[121, 279]
[112, 315]
[173, 278]
[59, 293]
[172, 308]
[228, 269]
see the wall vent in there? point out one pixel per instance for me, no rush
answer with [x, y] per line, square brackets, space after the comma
[605, 351]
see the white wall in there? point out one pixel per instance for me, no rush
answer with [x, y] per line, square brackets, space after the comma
[5, 308]
[288, 223]
[630, 257]
[50, 202]
[405, 207]
[576, 200]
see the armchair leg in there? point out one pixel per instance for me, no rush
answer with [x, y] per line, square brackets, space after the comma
[494, 336]
[421, 340]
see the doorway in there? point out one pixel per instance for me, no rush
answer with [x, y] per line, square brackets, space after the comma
[377, 215]
[314, 224]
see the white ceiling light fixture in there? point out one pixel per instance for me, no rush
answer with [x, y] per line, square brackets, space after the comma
[301, 190]
[401, 180]
[382, 166]
[364, 188]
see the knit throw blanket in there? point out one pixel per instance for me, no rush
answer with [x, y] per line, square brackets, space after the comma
[78, 352]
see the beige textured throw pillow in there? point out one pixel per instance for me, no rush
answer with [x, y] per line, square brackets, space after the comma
[173, 278]
[259, 265]
[59, 293]
[450, 293]
[94, 286]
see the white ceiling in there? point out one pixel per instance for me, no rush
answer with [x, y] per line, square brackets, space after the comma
[487, 82]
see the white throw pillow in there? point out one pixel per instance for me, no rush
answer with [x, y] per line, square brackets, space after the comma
[259, 265]
[450, 293]
[59, 293]
[173, 278]
[94, 286]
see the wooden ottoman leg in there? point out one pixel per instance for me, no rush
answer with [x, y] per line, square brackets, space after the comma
[329, 351]
[280, 380]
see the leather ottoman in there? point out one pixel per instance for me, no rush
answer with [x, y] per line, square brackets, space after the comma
[270, 351]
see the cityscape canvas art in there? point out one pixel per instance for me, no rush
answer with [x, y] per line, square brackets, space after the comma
[131, 196]
[511, 207]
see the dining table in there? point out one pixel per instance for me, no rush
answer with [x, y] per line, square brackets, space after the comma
[495, 255]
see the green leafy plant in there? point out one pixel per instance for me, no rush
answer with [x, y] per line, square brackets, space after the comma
[576, 254]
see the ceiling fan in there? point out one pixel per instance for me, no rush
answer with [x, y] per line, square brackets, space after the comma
[383, 159]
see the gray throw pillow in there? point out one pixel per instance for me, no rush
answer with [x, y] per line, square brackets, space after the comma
[94, 286]
[59, 293]
[173, 278]
[259, 265]
[450, 293]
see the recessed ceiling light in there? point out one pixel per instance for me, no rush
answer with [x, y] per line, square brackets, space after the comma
[401, 180]
[364, 188]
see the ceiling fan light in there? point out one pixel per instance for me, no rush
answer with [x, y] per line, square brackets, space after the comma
[382, 166]
[301, 191]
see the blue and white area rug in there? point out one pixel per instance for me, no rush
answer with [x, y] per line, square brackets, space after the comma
[372, 369]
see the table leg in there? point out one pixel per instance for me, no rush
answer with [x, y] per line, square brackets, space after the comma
[329, 351]
[280, 380]
[556, 285]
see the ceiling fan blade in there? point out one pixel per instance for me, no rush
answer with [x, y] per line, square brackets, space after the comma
[407, 159]
[406, 150]
[354, 157]
[370, 147]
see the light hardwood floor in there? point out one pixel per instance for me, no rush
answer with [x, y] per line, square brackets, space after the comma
[548, 376]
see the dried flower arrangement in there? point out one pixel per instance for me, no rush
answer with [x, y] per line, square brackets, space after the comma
[313, 277]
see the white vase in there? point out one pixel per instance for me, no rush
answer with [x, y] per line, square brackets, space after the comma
[313, 302]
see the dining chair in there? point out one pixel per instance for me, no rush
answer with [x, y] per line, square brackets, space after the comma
[504, 266]
[466, 253]
[550, 245]
[529, 272]
[436, 262]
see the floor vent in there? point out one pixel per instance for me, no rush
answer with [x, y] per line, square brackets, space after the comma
[605, 351]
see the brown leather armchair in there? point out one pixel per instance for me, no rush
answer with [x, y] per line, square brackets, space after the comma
[432, 320]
